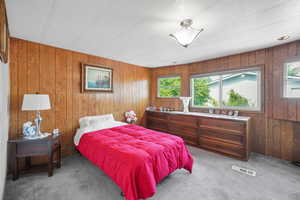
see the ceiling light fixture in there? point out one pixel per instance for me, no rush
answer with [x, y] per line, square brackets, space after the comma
[186, 35]
[285, 37]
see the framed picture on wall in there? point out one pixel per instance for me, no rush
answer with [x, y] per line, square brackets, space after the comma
[96, 78]
[4, 33]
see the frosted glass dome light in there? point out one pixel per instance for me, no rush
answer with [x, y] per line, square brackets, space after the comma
[186, 35]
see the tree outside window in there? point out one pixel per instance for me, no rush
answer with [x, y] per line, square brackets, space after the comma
[169, 86]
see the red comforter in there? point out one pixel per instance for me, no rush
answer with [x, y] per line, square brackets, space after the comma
[135, 158]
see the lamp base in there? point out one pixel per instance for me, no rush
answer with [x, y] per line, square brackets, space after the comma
[38, 120]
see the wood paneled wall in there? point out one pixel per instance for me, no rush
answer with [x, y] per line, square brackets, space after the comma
[276, 128]
[48, 70]
[39, 68]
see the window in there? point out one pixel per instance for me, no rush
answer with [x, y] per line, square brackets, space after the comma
[292, 80]
[169, 86]
[236, 89]
[206, 91]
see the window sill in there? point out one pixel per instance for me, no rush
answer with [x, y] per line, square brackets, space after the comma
[167, 97]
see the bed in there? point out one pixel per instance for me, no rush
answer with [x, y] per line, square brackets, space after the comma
[134, 157]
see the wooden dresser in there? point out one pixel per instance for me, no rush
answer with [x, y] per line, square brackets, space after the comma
[224, 134]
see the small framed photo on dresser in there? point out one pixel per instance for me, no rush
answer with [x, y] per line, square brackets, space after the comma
[96, 78]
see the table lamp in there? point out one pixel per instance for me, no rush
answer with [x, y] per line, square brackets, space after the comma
[36, 102]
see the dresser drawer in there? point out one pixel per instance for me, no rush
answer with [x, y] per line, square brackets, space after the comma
[157, 124]
[188, 133]
[223, 124]
[225, 136]
[184, 120]
[222, 147]
[192, 140]
[158, 115]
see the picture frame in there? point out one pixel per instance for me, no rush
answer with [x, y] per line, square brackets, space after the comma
[96, 78]
[4, 33]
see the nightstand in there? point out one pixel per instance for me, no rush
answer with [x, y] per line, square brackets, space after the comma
[28, 148]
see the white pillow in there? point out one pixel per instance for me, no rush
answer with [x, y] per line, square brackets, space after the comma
[93, 120]
[84, 122]
[108, 124]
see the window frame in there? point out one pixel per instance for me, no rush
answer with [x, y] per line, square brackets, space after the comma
[167, 76]
[221, 73]
[285, 80]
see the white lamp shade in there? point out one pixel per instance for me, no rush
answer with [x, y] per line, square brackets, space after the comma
[36, 102]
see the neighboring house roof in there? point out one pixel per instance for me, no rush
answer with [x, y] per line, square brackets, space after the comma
[294, 78]
[228, 77]
[231, 76]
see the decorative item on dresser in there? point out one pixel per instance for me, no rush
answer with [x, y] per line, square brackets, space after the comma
[27, 148]
[220, 133]
[36, 102]
[185, 103]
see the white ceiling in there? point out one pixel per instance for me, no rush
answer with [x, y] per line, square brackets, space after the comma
[136, 31]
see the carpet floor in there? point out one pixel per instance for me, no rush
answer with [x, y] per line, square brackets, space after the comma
[212, 179]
